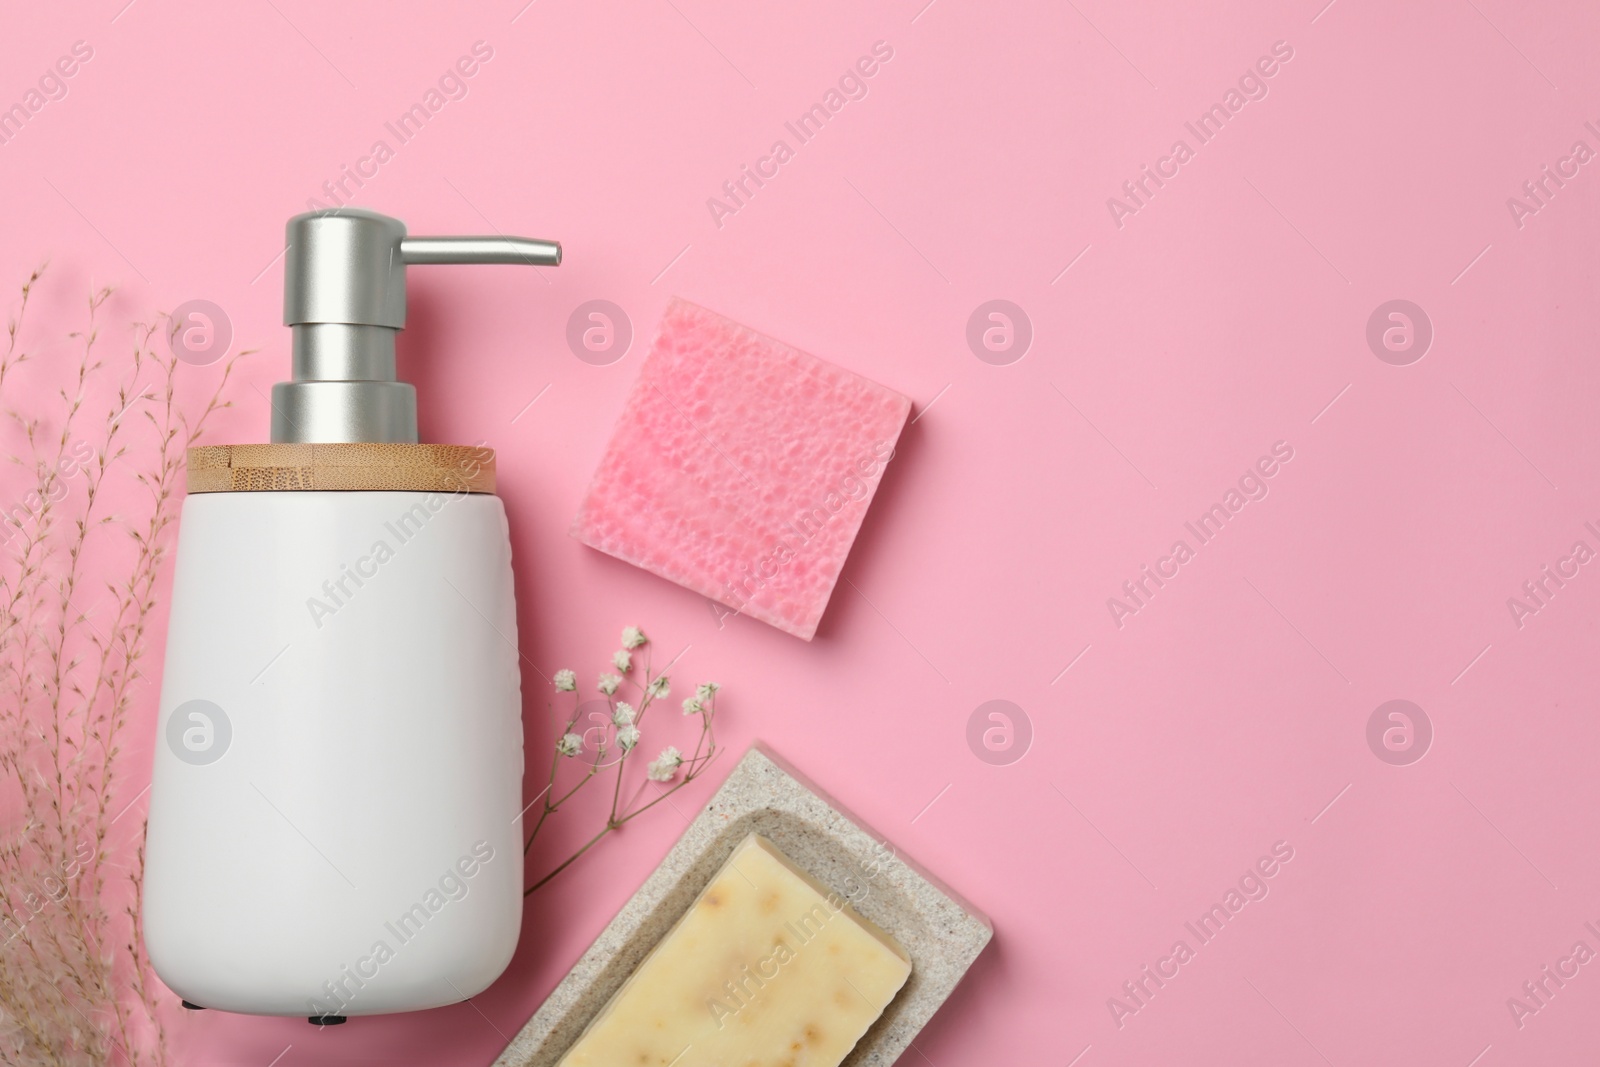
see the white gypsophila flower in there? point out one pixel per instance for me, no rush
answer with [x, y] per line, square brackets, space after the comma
[633, 637]
[570, 745]
[691, 706]
[566, 681]
[665, 766]
[609, 683]
[623, 714]
[659, 687]
[706, 691]
[627, 737]
[622, 660]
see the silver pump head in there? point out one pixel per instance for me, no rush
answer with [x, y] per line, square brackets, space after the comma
[344, 298]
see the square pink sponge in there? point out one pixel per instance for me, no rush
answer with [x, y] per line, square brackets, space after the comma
[741, 468]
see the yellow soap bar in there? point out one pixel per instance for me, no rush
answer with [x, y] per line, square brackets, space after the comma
[768, 969]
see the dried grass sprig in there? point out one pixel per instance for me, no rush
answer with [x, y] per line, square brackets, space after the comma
[75, 987]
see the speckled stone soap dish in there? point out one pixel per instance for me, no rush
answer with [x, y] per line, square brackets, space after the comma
[941, 932]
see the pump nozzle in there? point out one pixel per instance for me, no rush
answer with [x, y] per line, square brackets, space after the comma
[345, 300]
[480, 250]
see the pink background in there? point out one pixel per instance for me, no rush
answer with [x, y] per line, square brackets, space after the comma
[1224, 316]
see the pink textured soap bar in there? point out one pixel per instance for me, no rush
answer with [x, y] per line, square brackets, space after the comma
[741, 468]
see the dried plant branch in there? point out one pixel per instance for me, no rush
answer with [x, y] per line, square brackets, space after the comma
[615, 737]
[75, 987]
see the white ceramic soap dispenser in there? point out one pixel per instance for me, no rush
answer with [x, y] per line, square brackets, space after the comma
[334, 820]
